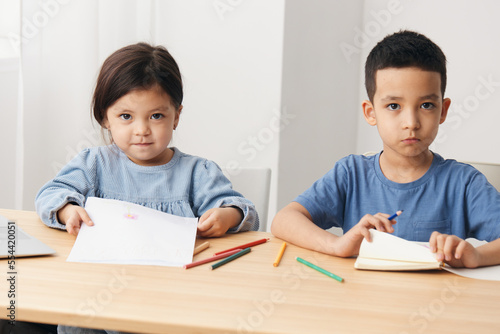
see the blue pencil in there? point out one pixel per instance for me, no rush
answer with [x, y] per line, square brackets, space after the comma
[395, 215]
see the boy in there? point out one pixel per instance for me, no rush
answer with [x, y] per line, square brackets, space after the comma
[444, 201]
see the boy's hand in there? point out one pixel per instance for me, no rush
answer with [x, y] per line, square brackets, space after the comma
[349, 243]
[454, 251]
[72, 216]
[215, 222]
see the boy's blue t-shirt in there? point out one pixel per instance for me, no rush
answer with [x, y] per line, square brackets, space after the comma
[452, 198]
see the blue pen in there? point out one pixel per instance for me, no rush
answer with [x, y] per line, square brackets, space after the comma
[395, 215]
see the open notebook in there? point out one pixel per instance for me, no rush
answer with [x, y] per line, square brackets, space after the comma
[15, 242]
[388, 252]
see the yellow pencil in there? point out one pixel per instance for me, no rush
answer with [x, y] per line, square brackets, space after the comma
[201, 247]
[280, 255]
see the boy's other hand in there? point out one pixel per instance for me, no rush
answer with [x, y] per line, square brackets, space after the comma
[453, 250]
[215, 222]
[72, 216]
[349, 243]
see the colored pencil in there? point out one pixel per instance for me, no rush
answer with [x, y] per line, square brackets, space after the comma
[280, 255]
[201, 247]
[395, 215]
[211, 259]
[321, 270]
[250, 244]
[230, 258]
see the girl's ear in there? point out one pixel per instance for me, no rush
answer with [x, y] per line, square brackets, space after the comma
[369, 112]
[105, 123]
[177, 116]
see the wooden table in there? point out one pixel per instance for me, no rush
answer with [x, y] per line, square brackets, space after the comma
[248, 295]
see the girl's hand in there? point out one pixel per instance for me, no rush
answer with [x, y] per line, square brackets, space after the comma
[72, 216]
[454, 250]
[215, 222]
[348, 244]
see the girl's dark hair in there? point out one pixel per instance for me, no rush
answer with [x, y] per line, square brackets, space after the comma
[137, 66]
[404, 49]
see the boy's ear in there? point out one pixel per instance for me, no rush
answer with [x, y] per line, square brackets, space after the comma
[444, 110]
[369, 112]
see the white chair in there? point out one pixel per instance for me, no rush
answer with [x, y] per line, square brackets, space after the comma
[254, 184]
[491, 171]
[370, 153]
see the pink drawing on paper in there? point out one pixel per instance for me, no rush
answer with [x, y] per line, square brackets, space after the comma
[130, 215]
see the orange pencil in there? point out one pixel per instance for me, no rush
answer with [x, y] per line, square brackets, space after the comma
[250, 244]
[280, 255]
[210, 259]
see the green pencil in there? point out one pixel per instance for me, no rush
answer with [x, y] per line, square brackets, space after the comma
[321, 270]
[230, 258]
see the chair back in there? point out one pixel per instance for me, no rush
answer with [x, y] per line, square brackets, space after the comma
[490, 170]
[254, 184]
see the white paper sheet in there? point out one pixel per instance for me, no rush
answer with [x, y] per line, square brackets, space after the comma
[127, 233]
[485, 273]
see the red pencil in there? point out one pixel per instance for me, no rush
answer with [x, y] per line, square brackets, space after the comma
[210, 259]
[250, 244]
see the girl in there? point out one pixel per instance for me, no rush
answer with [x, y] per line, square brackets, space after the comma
[138, 101]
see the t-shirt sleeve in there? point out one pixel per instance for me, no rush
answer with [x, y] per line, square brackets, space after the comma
[325, 199]
[213, 190]
[72, 184]
[483, 201]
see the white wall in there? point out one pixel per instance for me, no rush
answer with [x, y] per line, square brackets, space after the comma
[9, 104]
[8, 130]
[231, 66]
[467, 32]
[59, 69]
[243, 64]
[320, 92]
[230, 58]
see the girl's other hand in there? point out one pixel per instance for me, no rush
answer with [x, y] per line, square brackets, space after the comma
[72, 216]
[215, 222]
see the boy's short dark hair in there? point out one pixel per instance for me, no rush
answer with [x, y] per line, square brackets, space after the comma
[404, 49]
[136, 66]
